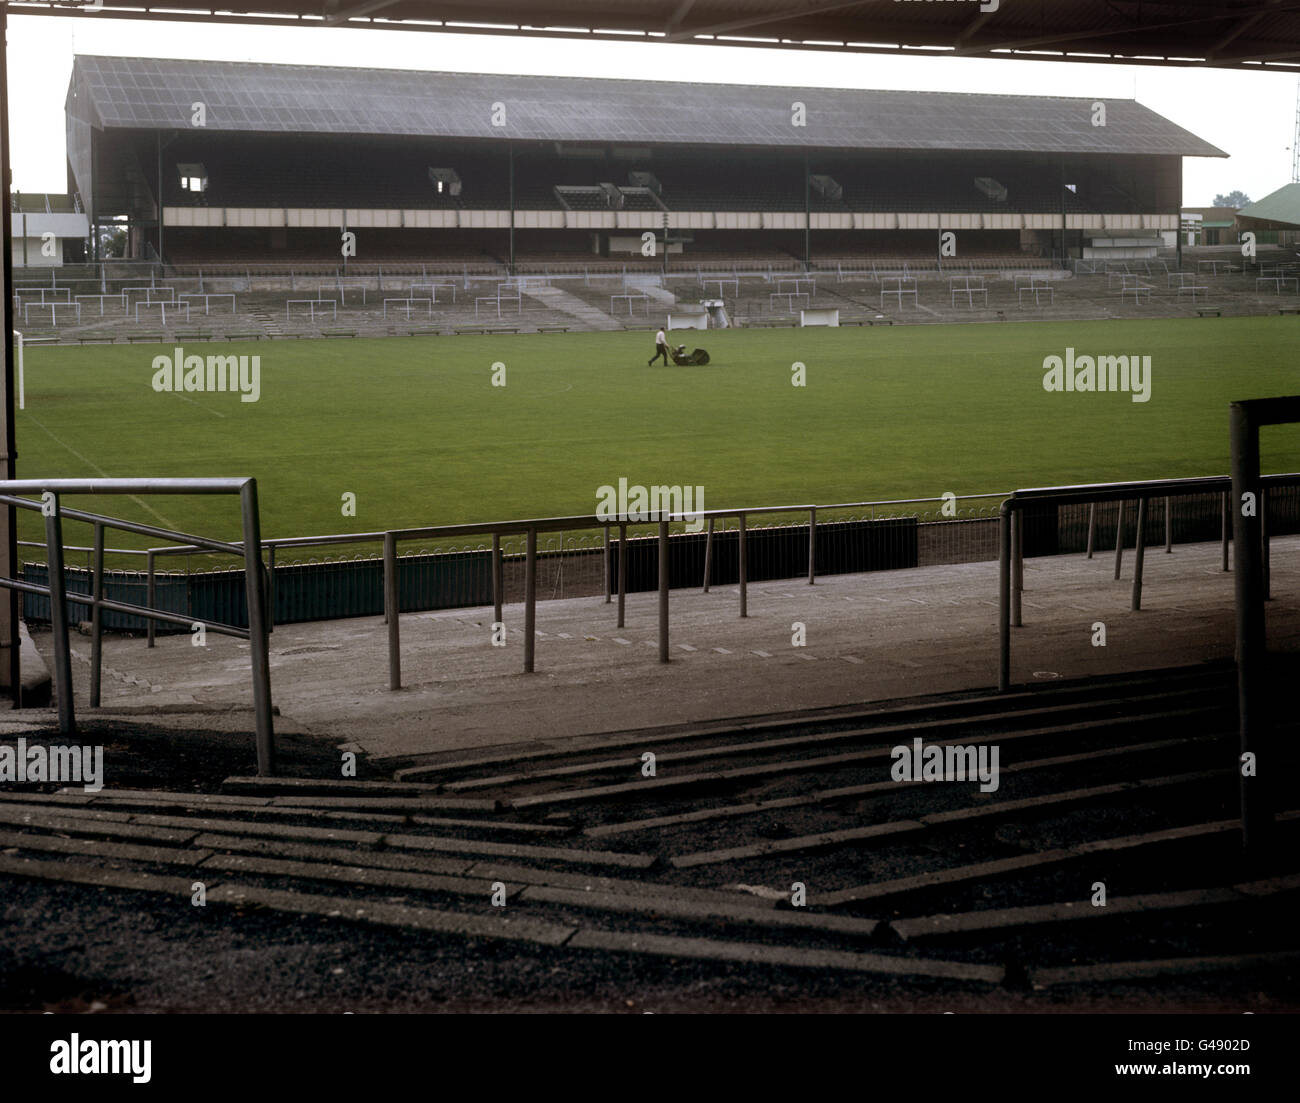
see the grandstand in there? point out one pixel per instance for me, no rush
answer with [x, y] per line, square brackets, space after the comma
[454, 168]
[553, 204]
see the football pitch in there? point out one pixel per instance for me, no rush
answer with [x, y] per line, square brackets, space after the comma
[418, 431]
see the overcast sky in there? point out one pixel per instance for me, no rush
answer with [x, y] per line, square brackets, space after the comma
[1249, 115]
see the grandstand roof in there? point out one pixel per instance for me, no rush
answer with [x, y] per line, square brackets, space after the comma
[239, 96]
[1281, 207]
[1226, 33]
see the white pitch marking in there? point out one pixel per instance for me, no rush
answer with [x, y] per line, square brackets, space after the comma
[103, 474]
[202, 407]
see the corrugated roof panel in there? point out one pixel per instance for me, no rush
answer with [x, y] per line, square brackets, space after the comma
[149, 92]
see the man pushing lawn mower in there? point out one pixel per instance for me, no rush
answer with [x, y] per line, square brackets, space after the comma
[661, 349]
[679, 354]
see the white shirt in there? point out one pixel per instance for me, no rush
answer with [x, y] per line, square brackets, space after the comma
[660, 339]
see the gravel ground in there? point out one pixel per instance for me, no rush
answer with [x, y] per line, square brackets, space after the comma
[129, 957]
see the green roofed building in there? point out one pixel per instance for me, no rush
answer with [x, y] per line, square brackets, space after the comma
[1275, 219]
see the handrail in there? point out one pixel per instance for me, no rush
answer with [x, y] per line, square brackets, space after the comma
[530, 529]
[82, 548]
[184, 544]
[199, 542]
[125, 486]
[556, 524]
[51, 507]
[1011, 536]
[1099, 492]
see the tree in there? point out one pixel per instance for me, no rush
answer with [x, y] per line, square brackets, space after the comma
[112, 242]
[1234, 199]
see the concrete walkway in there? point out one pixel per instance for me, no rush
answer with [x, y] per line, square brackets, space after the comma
[869, 637]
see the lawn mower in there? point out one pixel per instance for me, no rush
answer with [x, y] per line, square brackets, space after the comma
[696, 356]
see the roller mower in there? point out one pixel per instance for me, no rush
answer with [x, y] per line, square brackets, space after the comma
[694, 357]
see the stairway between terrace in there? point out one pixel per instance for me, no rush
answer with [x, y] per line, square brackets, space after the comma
[555, 299]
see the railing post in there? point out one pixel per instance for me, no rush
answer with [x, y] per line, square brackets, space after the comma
[1017, 566]
[1263, 543]
[608, 580]
[663, 591]
[498, 579]
[1169, 527]
[59, 619]
[530, 602]
[391, 612]
[1227, 530]
[1119, 538]
[270, 589]
[151, 592]
[708, 555]
[1092, 526]
[1138, 555]
[1256, 786]
[622, 571]
[744, 574]
[1004, 598]
[96, 618]
[258, 634]
[812, 546]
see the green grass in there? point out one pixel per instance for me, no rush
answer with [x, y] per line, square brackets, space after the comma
[415, 429]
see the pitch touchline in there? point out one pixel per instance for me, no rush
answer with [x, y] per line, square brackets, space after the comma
[200, 405]
[101, 472]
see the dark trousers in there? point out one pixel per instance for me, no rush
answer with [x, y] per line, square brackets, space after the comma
[661, 350]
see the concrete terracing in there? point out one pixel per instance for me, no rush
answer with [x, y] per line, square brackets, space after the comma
[580, 301]
[869, 637]
[586, 316]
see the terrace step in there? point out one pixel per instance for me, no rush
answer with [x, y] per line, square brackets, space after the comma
[709, 873]
[554, 299]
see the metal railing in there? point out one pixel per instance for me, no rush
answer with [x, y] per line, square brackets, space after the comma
[947, 532]
[51, 507]
[1012, 526]
[944, 509]
[662, 522]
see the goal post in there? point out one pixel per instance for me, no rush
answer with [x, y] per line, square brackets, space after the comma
[18, 363]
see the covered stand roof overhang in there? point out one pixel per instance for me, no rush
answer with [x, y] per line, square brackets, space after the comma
[1252, 34]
